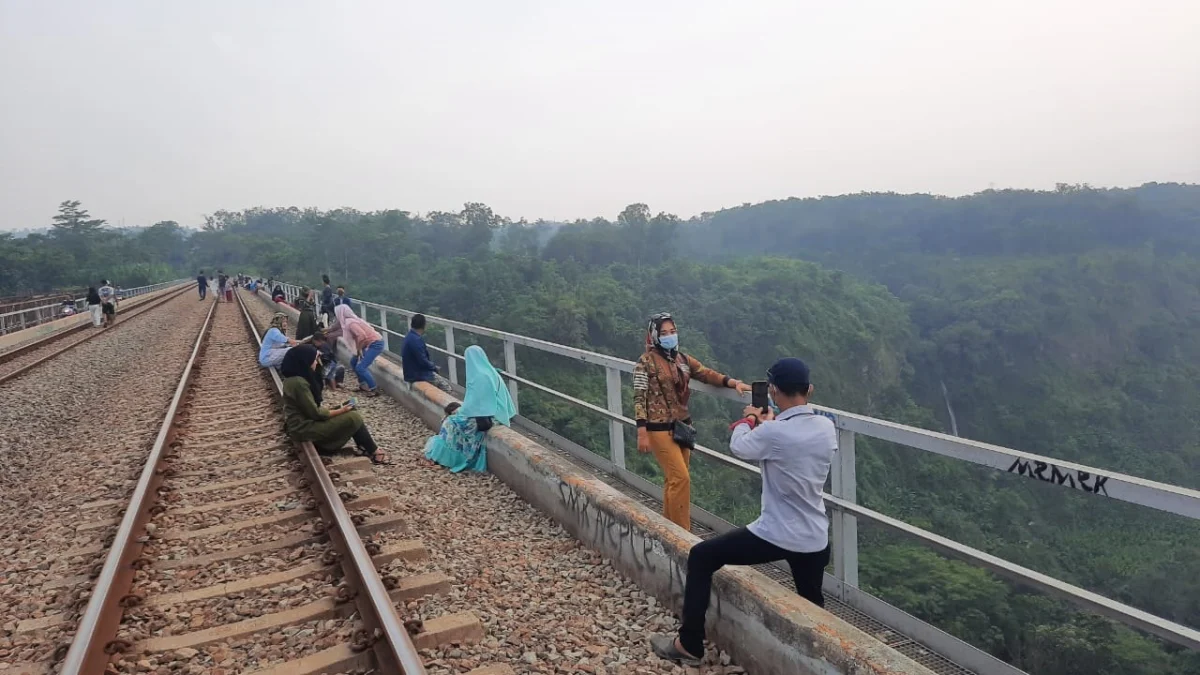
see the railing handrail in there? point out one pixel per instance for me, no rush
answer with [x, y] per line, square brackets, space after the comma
[1171, 498]
[122, 293]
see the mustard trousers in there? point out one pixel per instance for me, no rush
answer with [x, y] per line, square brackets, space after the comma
[677, 489]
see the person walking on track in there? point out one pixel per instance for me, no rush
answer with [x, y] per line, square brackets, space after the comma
[664, 426]
[202, 282]
[94, 308]
[108, 303]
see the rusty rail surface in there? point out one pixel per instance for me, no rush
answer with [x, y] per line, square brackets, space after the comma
[58, 335]
[102, 617]
[393, 648]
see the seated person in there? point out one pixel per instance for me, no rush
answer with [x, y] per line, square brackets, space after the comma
[795, 450]
[275, 343]
[460, 443]
[306, 420]
[332, 372]
[278, 296]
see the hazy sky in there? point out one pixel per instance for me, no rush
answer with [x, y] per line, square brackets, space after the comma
[167, 110]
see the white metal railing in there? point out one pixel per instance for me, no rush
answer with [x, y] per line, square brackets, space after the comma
[844, 519]
[17, 320]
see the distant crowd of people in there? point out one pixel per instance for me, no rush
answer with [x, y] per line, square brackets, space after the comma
[779, 430]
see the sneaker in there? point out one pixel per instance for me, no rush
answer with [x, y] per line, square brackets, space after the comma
[664, 647]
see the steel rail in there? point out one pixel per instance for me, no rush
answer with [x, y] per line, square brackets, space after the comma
[102, 617]
[394, 649]
[55, 337]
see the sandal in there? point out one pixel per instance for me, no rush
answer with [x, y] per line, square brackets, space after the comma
[664, 647]
[375, 456]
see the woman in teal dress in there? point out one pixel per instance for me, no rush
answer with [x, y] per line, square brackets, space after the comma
[461, 442]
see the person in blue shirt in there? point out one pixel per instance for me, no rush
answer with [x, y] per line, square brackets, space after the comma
[276, 342]
[414, 356]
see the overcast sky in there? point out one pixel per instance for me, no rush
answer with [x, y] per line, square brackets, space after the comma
[560, 109]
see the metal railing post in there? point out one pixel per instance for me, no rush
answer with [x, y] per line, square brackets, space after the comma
[510, 364]
[845, 526]
[616, 431]
[451, 362]
[383, 325]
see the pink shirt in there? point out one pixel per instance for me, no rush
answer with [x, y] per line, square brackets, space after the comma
[361, 333]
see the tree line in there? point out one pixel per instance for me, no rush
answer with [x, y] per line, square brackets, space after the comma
[1061, 322]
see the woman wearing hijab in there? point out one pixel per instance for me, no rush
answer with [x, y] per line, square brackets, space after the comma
[368, 345]
[459, 444]
[306, 303]
[305, 419]
[660, 403]
[275, 342]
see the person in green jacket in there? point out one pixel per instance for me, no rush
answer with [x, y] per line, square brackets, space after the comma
[305, 419]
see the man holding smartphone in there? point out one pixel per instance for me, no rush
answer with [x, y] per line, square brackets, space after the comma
[794, 451]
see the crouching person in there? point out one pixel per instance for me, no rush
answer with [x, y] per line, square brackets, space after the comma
[332, 372]
[305, 419]
[794, 449]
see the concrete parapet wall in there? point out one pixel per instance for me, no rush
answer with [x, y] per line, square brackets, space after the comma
[767, 629]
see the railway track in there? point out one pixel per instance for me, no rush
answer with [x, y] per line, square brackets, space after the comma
[241, 552]
[20, 360]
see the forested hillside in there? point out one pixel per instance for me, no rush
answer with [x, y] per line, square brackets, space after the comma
[1062, 323]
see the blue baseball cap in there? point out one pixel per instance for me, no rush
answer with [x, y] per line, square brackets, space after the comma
[789, 373]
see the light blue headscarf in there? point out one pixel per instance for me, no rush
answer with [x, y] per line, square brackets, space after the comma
[486, 394]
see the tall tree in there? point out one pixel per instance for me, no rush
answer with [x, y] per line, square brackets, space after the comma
[76, 229]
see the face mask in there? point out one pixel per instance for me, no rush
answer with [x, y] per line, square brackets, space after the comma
[669, 342]
[771, 403]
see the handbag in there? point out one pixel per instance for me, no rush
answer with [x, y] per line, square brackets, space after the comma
[682, 433]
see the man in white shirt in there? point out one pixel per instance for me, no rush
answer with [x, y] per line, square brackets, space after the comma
[794, 449]
[108, 299]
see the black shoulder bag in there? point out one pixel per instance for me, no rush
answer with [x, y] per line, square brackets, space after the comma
[682, 433]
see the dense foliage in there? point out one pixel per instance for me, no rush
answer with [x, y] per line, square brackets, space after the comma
[1062, 323]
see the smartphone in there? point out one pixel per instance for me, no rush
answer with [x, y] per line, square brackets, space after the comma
[352, 402]
[758, 396]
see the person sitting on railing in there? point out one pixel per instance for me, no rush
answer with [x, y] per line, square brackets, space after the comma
[414, 355]
[461, 440]
[307, 304]
[794, 449]
[368, 344]
[278, 295]
[306, 420]
[275, 342]
[664, 426]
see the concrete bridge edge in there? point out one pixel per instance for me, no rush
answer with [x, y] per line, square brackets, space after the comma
[767, 629]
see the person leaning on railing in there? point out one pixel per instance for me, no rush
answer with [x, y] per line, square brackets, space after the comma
[664, 426]
[794, 449]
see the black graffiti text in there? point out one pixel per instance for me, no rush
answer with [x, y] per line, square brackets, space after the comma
[1044, 471]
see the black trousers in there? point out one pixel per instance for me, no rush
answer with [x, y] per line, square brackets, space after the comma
[740, 547]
